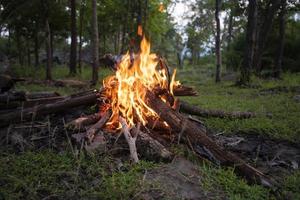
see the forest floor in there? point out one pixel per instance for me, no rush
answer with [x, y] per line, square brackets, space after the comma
[49, 166]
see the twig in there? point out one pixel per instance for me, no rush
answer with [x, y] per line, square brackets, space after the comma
[130, 140]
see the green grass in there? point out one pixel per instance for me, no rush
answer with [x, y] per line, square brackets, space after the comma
[36, 175]
[278, 114]
[58, 72]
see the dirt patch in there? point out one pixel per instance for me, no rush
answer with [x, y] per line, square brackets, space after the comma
[179, 179]
[277, 158]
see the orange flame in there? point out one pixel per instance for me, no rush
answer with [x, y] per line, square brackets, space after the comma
[127, 88]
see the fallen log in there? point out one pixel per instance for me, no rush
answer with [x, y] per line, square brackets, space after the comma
[82, 122]
[150, 147]
[180, 124]
[41, 95]
[182, 90]
[12, 96]
[193, 110]
[44, 109]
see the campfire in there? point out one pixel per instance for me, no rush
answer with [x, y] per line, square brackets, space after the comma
[124, 104]
[138, 102]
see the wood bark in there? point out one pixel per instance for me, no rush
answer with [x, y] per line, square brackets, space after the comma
[250, 41]
[279, 56]
[197, 136]
[151, 148]
[131, 140]
[263, 33]
[44, 109]
[218, 41]
[193, 110]
[95, 43]
[36, 46]
[73, 47]
[48, 51]
[230, 27]
[81, 14]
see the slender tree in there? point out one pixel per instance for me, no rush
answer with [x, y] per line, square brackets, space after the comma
[49, 52]
[95, 43]
[36, 45]
[250, 41]
[73, 49]
[263, 33]
[218, 41]
[278, 59]
[81, 14]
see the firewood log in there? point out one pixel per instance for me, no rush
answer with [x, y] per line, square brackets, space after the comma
[44, 109]
[180, 124]
[193, 110]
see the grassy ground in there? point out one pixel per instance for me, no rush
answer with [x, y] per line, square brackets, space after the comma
[33, 175]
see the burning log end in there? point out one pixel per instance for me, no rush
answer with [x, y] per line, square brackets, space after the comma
[131, 140]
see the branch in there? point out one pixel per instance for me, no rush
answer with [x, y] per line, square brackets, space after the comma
[130, 140]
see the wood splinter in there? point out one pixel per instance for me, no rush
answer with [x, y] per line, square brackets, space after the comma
[131, 140]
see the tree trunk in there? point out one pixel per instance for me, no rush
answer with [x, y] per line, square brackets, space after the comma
[250, 41]
[81, 14]
[73, 49]
[28, 52]
[36, 48]
[230, 26]
[19, 47]
[218, 45]
[264, 32]
[278, 59]
[48, 51]
[95, 43]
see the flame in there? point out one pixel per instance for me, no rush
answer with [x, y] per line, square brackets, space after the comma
[161, 7]
[127, 88]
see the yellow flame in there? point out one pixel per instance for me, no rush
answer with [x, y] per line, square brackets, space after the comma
[127, 88]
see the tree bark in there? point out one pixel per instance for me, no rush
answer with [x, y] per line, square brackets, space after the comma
[250, 42]
[193, 110]
[73, 49]
[28, 53]
[36, 47]
[263, 33]
[95, 43]
[44, 109]
[48, 51]
[218, 41]
[81, 14]
[278, 59]
[230, 27]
